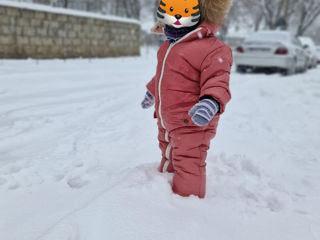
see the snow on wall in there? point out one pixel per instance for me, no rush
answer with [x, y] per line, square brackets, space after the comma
[36, 31]
[50, 9]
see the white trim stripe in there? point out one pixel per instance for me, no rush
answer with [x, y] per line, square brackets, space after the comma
[165, 166]
[166, 136]
[167, 156]
[168, 150]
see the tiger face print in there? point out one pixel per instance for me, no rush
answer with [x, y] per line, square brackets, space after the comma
[179, 13]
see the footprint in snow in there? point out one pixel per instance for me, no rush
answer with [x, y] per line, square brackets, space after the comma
[238, 177]
[77, 182]
[12, 170]
[274, 204]
[3, 181]
[316, 94]
[58, 177]
[249, 167]
[77, 164]
[13, 186]
[264, 93]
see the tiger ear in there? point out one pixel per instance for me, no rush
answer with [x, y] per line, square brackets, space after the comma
[214, 11]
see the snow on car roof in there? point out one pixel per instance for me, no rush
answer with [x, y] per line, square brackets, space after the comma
[282, 36]
[307, 41]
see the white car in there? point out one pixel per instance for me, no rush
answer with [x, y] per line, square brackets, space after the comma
[277, 50]
[318, 53]
[311, 50]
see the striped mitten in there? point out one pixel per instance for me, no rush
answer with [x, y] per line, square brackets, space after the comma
[148, 100]
[203, 112]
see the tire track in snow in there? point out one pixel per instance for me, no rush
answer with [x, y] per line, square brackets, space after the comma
[75, 97]
[105, 102]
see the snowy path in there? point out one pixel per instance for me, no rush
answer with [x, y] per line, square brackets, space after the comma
[78, 157]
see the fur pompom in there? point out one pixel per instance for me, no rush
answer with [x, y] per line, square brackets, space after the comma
[214, 11]
[157, 28]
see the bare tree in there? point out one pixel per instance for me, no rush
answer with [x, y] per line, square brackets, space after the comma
[128, 8]
[66, 4]
[293, 14]
[252, 9]
[273, 10]
[309, 11]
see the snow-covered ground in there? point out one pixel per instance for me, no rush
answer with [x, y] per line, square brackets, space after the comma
[78, 157]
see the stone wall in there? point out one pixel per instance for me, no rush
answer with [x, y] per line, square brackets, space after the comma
[29, 33]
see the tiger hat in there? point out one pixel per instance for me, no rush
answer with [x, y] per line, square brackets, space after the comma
[187, 13]
[179, 13]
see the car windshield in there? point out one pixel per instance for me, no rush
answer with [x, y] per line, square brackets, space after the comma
[269, 36]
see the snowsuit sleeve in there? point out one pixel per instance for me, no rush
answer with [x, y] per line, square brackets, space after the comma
[215, 75]
[151, 86]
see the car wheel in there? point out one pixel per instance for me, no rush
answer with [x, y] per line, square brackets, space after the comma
[304, 68]
[289, 71]
[241, 69]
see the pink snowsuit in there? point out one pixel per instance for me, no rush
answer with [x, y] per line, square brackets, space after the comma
[197, 65]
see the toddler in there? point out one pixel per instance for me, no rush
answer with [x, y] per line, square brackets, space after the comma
[190, 88]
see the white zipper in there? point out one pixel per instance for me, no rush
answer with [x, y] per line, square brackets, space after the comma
[159, 86]
[161, 76]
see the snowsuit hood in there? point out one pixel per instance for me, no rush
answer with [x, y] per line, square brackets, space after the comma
[214, 11]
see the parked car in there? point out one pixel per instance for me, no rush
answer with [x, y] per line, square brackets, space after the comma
[233, 41]
[318, 53]
[276, 50]
[311, 50]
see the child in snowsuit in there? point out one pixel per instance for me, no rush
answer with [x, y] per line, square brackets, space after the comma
[190, 88]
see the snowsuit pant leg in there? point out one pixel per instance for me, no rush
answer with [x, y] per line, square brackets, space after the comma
[189, 152]
[166, 150]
